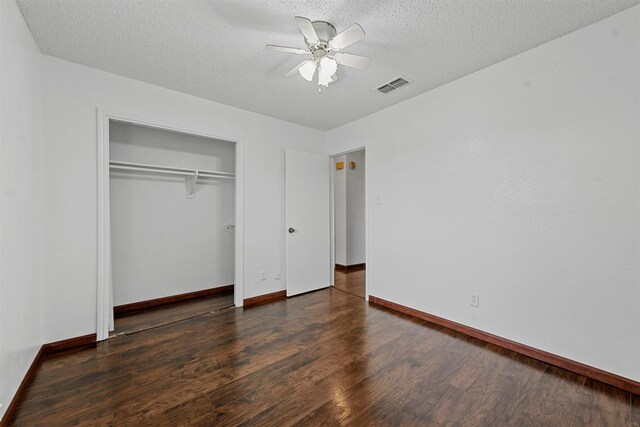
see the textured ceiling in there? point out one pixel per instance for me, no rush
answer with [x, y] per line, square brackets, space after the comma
[215, 49]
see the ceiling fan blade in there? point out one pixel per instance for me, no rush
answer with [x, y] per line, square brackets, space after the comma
[307, 29]
[354, 61]
[346, 38]
[295, 50]
[294, 71]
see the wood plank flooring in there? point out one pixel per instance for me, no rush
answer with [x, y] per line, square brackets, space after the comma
[160, 316]
[323, 358]
[350, 281]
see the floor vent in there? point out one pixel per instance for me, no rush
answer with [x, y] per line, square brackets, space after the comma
[392, 85]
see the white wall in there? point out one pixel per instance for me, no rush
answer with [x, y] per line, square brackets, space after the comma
[163, 243]
[71, 94]
[340, 211]
[520, 182]
[20, 200]
[355, 213]
[349, 199]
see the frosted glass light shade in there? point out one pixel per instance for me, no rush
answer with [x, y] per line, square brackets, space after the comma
[326, 70]
[308, 70]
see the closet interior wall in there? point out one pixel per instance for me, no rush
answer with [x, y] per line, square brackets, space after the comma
[163, 243]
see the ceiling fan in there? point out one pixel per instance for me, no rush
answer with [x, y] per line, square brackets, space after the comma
[324, 45]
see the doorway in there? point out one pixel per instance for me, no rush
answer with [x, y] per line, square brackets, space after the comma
[349, 222]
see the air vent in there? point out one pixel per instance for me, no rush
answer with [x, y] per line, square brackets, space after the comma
[392, 85]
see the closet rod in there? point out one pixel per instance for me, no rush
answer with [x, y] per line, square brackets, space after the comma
[142, 167]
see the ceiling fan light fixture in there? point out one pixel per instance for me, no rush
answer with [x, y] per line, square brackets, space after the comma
[322, 44]
[326, 70]
[308, 70]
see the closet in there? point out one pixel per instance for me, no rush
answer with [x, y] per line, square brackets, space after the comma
[172, 200]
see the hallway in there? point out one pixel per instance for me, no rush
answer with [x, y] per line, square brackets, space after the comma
[352, 282]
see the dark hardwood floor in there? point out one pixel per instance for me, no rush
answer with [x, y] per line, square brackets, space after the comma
[350, 281]
[159, 316]
[323, 358]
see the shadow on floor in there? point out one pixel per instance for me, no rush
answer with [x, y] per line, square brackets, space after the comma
[350, 281]
[160, 316]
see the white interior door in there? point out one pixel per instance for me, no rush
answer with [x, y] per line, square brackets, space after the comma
[307, 199]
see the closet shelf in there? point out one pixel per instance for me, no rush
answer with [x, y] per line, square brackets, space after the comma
[191, 175]
[113, 164]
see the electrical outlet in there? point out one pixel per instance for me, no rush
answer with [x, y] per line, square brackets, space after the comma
[263, 275]
[277, 275]
[475, 300]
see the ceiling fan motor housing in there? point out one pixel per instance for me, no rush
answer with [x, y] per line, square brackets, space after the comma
[325, 32]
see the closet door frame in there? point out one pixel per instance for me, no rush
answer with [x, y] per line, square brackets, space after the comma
[104, 289]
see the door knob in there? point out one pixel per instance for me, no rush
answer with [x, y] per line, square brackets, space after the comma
[291, 230]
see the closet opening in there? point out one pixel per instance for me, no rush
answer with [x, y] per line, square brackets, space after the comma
[167, 226]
